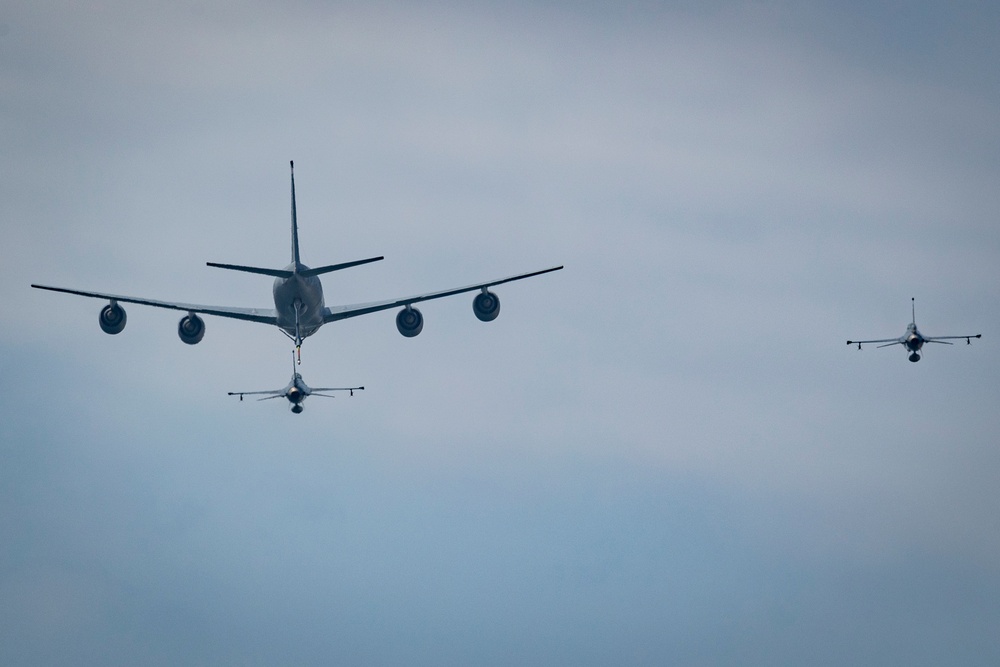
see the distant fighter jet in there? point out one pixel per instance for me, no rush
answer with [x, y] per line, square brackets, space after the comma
[295, 391]
[913, 340]
[299, 309]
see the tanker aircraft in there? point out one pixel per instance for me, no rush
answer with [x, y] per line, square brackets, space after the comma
[299, 308]
[295, 391]
[913, 340]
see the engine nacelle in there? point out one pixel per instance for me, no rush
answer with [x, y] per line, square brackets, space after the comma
[486, 306]
[409, 322]
[191, 329]
[112, 318]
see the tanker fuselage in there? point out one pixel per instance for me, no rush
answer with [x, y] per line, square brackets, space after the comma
[299, 303]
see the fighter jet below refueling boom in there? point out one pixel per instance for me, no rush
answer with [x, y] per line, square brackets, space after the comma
[295, 391]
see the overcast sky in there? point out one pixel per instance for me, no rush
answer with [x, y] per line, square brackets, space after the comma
[664, 454]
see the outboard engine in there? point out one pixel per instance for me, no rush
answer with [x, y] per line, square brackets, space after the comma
[191, 329]
[486, 306]
[409, 322]
[112, 318]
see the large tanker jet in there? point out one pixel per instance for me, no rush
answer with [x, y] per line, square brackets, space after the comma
[299, 309]
[913, 340]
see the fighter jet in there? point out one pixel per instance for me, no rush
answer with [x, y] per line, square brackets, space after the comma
[913, 340]
[299, 308]
[295, 391]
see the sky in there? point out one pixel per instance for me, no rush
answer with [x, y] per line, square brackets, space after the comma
[663, 454]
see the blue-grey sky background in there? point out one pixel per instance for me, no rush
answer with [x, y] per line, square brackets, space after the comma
[664, 454]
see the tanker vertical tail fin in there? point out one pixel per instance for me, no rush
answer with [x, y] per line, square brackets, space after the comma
[295, 223]
[299, 269]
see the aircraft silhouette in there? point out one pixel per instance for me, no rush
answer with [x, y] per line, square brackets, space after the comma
[295, 391]
[299, 308]
[913, 340]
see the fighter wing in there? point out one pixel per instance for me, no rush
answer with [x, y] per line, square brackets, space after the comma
[343, 312]
[889, 341]
[274, 393]
[315, 391]
[336, 389]
[263, 315]
[943, 339]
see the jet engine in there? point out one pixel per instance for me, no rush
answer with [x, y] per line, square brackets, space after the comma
[191, 329]
[409, 322]
[486, 306]
[112, 318]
